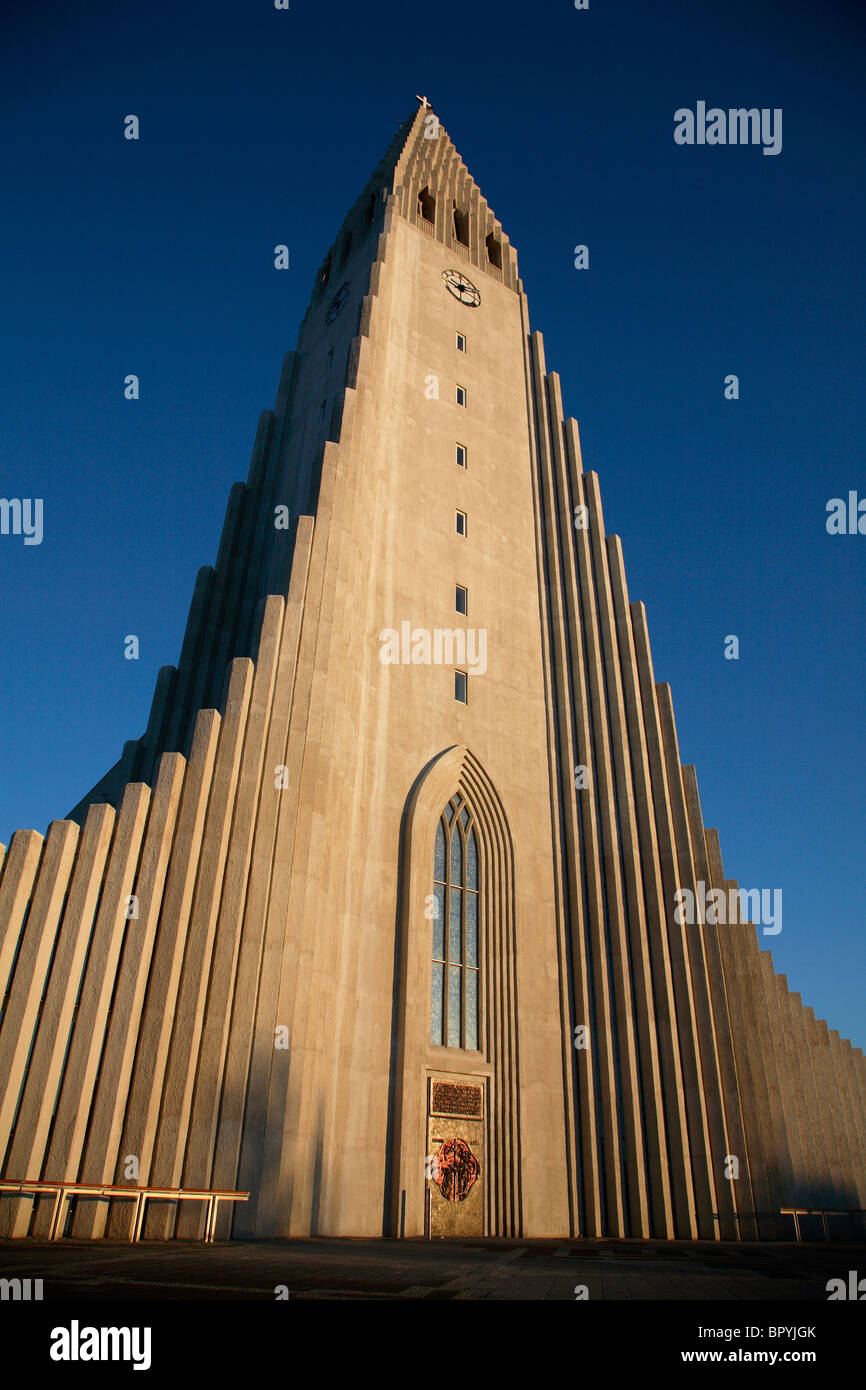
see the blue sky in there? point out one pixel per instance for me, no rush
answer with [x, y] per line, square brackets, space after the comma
[260, 127]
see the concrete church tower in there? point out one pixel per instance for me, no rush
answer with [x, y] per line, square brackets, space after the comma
[345, 927]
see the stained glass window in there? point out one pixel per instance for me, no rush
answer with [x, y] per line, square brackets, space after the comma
[454, 999]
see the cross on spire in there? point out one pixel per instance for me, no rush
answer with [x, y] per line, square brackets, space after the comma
[423, 100]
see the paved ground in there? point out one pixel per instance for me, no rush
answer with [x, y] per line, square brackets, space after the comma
[391, 1269]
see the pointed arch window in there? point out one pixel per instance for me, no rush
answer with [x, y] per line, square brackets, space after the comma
[454, 1000]
[427, 205]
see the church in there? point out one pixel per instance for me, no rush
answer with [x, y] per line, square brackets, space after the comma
[377, 920]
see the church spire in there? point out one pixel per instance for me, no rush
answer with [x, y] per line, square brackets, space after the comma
[423, 177]
[433, 189]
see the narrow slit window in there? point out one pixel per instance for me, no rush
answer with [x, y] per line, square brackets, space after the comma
[461, 455]
[461, 342]
[461, 687]
[461, 598]
[461, 395]
[461, 523]
[461, 225]
[494, 251]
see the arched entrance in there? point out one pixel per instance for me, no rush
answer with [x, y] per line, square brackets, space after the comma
[455, 1109]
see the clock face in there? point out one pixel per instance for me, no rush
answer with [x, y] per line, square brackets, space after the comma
[337, 303]
[461, 288]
